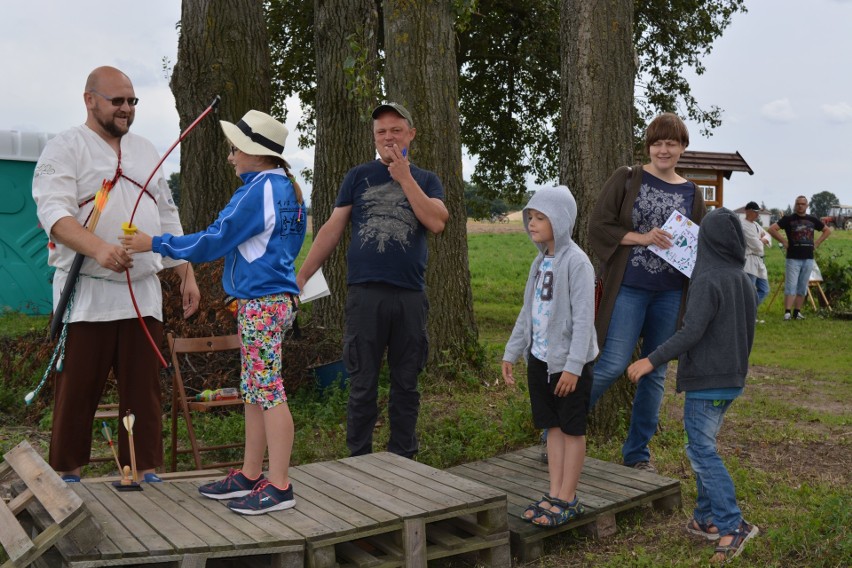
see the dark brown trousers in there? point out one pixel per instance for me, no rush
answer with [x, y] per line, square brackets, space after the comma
[91, 350]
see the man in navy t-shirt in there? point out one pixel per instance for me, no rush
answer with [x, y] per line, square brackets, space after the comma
[391, 205]
[800, 246]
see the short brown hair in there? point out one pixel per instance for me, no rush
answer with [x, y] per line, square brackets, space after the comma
[667, 126]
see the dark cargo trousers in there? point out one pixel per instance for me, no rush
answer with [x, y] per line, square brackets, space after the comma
[378, 317]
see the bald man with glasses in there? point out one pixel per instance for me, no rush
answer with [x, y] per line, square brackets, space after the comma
[102, 332]
[799, 243]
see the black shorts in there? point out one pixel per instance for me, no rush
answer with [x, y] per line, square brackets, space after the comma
[568, 413]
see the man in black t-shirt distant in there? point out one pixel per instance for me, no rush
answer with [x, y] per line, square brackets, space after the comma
[391, 205]
[799, 228]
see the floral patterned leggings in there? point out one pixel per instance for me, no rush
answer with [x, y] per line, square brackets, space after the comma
[261, 323]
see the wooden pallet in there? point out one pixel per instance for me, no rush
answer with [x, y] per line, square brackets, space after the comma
[604, 489]
[379, 510]
[42, 495]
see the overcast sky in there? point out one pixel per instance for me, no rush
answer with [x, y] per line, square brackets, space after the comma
[782, 73]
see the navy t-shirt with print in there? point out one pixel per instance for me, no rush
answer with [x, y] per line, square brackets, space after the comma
[800, 234]
[655, 202]
[388, 242]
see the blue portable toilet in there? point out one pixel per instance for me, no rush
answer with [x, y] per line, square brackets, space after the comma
[25, 277]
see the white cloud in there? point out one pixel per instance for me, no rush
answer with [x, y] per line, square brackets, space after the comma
[839, 112]
[780, 110]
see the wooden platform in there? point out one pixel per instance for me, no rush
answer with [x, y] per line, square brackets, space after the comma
[604, 489]
[379, 510]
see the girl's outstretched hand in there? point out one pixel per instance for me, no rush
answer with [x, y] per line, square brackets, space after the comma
[137, 242]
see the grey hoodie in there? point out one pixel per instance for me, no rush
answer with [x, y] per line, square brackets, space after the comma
[571, 330]
[718, 328]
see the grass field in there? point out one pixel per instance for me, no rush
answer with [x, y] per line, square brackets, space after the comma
[786, 441]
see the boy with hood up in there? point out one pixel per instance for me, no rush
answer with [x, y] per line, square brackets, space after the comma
[713, 347]
[555, 331]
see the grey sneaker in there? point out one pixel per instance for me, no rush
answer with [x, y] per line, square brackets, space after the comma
[788, 316]
[644, 466]
[799, 316]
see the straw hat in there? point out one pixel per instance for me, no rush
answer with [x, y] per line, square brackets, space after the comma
[257, 134]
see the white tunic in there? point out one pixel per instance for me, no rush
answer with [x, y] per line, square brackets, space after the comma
[754, 234]
[71, 169]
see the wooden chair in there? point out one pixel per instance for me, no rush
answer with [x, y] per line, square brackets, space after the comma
[186, 405]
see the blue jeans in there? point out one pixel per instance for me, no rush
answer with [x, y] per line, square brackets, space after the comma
[797, 274]
[653, 316]
[717, 500]
[761, 285]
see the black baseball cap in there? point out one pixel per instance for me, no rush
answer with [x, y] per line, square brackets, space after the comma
[752, 206]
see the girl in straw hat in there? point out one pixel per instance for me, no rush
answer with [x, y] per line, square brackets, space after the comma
[259, 232]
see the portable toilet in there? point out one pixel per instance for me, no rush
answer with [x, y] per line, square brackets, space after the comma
[25, 277]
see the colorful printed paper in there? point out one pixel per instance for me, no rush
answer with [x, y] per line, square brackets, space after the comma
[684, 247]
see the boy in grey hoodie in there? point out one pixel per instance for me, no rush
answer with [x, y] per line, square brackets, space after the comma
[555, 331]
[713, 347]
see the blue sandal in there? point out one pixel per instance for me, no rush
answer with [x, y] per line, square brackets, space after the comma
[537, 508]
[566, 511]
[742, 535]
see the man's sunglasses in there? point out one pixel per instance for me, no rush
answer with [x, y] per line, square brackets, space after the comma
[118, 101]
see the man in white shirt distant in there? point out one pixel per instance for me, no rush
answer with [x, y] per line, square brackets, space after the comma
[756, 238]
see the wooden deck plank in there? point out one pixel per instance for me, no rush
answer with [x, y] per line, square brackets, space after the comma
[217, 534]
[396, 489]
[123, 513]
[116, 541]
[290, 522]
[345, 481]
[62, 505]
[379, 516]
[445, 477]
[380, 472]
[162, 518]
[257, 533]
[408, 469]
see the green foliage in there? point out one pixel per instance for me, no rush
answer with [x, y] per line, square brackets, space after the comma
[671, 36]
[836, 269]
[509, 63]
[290, 25]
[174, 185]
[479, 207]
[360, 70]
[821, 203]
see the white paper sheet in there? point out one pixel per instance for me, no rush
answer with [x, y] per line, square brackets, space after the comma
[316, 287]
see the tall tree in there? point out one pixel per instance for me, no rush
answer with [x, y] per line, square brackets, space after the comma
[345, 35]
[222, 49]
[507, 56]
[595, 132]
[421, 73]
[822, 202]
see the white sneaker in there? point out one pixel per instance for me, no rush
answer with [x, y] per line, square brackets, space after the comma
[788, 316]
[799, 316]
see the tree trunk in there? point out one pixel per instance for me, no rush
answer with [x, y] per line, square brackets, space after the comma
[421, 73]
[344, 135]
[596, 128]
[222, 50]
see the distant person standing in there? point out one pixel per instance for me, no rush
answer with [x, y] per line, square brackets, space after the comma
[392, 205]
[756, 238]
[799, 243]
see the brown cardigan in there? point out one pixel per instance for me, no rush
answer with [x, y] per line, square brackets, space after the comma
[611, 219]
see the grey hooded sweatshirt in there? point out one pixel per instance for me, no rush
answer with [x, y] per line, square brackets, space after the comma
[571, 337]
[718, 328]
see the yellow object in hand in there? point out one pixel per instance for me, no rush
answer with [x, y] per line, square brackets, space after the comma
[128, 228]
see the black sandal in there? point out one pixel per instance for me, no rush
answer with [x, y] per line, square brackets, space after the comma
[704, 530]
